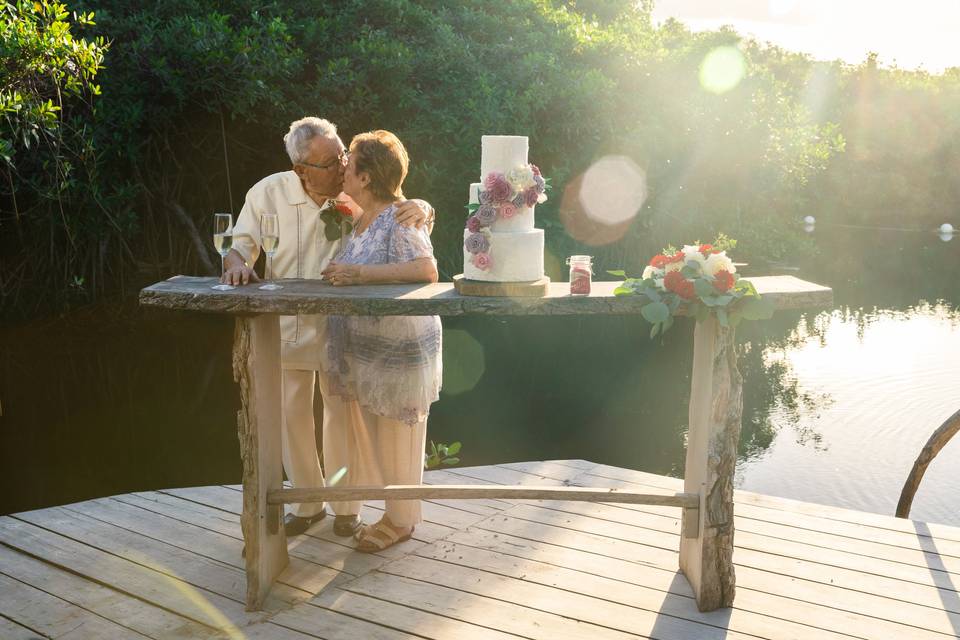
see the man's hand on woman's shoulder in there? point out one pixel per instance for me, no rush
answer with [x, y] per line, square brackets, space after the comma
[415, 213]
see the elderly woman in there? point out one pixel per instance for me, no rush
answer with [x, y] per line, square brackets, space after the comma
[388, 367]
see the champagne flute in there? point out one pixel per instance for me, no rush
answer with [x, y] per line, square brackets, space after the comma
[222, 241]
[270, 239]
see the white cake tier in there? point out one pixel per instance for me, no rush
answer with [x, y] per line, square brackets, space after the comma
[514, 257]
[502, 153]
[521, 221]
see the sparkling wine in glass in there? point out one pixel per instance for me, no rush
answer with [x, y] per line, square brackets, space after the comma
[270, 239]
[222, 242]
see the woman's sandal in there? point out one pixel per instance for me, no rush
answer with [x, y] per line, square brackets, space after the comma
[377, 537]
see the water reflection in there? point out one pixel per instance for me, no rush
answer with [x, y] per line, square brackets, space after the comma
[886, 380]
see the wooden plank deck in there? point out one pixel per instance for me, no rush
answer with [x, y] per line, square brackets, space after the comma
[166, 564]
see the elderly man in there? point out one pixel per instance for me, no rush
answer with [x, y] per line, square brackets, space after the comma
[303, 200]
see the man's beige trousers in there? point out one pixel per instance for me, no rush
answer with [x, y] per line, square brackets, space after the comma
[300, 460]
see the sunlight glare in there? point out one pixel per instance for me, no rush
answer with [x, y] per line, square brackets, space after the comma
[336, 477]
[722, 69]
[781, 7]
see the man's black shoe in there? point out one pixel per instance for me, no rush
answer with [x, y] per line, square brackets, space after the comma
[295, 525]
[346, 526]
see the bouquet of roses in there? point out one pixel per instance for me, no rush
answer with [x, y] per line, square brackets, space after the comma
[696, 280]
[337, 220]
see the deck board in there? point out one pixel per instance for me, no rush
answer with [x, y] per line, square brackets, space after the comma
[166, 564]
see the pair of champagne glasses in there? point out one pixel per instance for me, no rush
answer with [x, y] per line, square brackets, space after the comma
[269, 238]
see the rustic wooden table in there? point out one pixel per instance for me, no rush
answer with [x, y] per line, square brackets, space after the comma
[706, 545]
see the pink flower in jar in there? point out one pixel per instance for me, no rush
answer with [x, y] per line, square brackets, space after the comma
[497, 187]
[482, 261]
[507, 210]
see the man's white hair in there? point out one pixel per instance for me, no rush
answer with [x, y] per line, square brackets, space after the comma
[302, 131]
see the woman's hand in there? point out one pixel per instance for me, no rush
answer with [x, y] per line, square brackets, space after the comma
[339, 274]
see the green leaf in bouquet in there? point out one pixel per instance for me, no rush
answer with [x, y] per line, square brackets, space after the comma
[623, 291]
[655, 312]
[620, 273]
[745, 287]
[717, 301]
[756, 308]
[703, 288]
[453, 449]
[451, 461]
[652, 294]
[690, 270]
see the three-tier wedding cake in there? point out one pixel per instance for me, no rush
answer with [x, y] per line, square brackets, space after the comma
[500, 243]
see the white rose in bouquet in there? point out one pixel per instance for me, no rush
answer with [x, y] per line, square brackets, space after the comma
[692, 252]
[718, 262]
[648, 272]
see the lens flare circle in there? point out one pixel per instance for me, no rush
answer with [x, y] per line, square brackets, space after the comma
[722, 69]
[613, 190]
[463, 361]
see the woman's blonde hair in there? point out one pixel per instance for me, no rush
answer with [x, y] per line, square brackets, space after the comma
[382, 156]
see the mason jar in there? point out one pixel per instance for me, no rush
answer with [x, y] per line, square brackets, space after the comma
[581, 274]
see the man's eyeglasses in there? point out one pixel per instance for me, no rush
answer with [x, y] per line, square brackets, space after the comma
[341, 160]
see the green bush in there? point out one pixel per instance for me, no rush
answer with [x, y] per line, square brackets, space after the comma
[196, 95]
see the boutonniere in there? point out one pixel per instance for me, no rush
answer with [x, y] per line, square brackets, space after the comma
[337, 220]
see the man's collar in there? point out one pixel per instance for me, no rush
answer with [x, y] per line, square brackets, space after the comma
[295, 194]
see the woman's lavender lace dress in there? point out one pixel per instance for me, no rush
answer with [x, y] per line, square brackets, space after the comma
[390, 364]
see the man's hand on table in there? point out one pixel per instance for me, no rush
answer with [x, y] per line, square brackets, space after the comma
[236, 271]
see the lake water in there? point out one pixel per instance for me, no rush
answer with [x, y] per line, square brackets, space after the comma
[837, 403]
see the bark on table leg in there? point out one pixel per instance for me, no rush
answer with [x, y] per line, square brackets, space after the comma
[716, 406]
[256, 367]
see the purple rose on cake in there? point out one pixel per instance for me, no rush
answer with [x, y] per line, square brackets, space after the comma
[486, 214]
[497, 187]
[477, 243]
[473, 224]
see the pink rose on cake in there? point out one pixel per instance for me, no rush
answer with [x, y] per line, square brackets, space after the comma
[481, 261]
[473, 224]
[507, 210]
[531, 196]
[497, 187]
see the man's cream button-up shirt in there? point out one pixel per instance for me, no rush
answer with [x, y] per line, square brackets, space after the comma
[303, 252]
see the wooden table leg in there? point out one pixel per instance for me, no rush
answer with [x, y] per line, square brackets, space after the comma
[716, 406]
[256, 367]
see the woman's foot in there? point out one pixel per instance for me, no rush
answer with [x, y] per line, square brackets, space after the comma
[382, 535]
